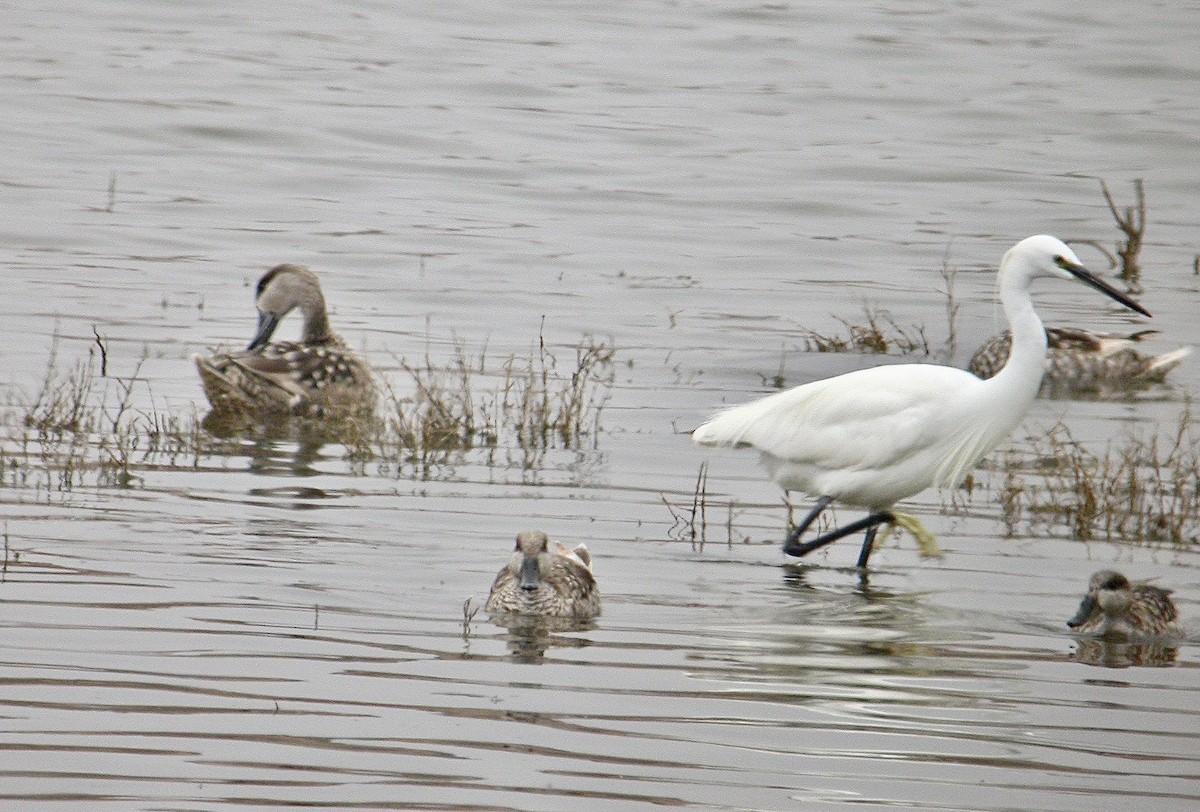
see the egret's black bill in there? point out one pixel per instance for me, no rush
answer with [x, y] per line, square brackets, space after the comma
[1091, 280]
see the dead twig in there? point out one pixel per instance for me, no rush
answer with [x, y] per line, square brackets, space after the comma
[1133, 224]
[952, 305]
[103, 353]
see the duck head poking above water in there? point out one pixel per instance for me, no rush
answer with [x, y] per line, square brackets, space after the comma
[551, 580]
[1114, 607]
[319, 376]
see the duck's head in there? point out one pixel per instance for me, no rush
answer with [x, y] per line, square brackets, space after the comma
[281, 290]
[1110, 592]
[531, 559]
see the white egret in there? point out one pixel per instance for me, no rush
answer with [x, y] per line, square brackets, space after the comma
[875, 436]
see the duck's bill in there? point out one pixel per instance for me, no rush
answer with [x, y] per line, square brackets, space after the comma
[1086, 607]
[1091, 280]
[530, 576]
[267, 322]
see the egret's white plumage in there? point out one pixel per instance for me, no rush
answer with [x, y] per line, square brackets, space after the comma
[873, 437]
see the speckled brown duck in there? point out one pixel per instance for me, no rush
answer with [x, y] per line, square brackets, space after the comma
[552, 581]
[1084, 362]
[318, 376]
[1115, 607]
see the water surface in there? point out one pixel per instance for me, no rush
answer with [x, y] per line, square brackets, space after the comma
[270, 625]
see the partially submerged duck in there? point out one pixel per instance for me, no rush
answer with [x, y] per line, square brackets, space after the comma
[1114, 607]
[1081, 361]
[550, 581]
[319, 376]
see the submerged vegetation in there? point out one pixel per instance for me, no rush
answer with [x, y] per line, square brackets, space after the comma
[83, 427]
[1143, 488]
[881, 334]
[878, 334]
[522, 409]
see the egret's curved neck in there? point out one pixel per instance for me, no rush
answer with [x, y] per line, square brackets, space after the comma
[1022, 375]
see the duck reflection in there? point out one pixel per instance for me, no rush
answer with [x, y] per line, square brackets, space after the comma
[529, 636]
[283, 448]
[1110, 653]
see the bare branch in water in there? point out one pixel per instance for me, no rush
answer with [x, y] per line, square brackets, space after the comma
[1133, 224]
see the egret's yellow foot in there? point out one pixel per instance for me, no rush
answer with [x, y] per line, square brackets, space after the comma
[927, 545]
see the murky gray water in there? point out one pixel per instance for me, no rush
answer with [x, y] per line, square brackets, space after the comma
[695, 182]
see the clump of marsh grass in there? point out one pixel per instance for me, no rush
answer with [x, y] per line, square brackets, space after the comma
[85, 427]
[524, 405]
[551, 407]
[1142, 488]
[879, 334]
[61, 404]
[440, 414]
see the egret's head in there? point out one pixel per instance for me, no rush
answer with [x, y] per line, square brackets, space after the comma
[1049, 255]
[1043, 255]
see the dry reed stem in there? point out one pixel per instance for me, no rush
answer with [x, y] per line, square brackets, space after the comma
[879, 335]
[534, 407]
[75, 431]
[1133, 224]
[691, 523]
[1142, 488]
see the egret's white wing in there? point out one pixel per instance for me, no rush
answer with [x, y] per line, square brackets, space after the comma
[869, 419]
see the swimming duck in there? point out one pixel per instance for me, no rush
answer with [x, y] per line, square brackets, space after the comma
[319, 376]
[1113, 607]
[555, 582]
[1081, 361]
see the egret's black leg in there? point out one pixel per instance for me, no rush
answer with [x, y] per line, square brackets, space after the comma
[869, 523]
[793, 539]
[868, 545]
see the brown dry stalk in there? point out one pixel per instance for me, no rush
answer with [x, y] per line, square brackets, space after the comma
[1132, 223]
[1142, 488]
